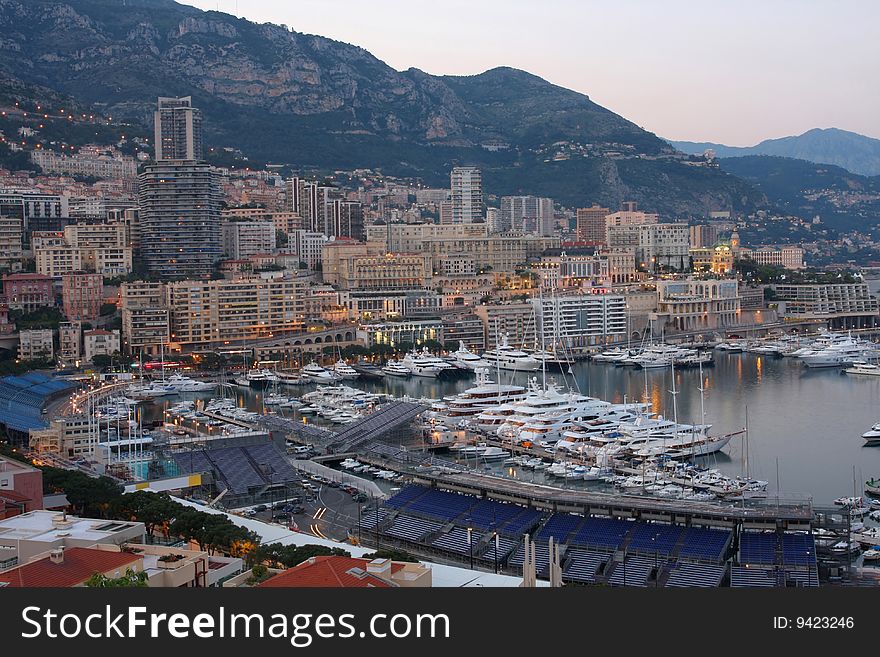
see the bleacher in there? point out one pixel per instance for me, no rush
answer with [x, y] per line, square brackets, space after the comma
[542, 556]
[798, 549]
[606, 533]
[374, 517]
[582, 565]
[559, 526]
[522, 522]
[696, 575]
[240, 469]
[505, 547]
[758, 548]
[634, 571]
[743, 576]
[654, 538]
[440, 504]
[489, 514]
[404, 496]
[705, 544]
[22, 399]
[410, 528]
[456, 540]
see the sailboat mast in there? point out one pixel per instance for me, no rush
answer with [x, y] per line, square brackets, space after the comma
[543, 350]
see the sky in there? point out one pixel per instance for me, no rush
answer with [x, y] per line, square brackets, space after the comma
[727, 72]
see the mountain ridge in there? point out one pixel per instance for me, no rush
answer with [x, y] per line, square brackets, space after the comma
[858, 154]
[312, 102]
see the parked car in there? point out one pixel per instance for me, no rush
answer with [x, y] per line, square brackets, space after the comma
[260, 508]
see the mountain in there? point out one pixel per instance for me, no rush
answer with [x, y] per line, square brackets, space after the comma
[849, 150]
[843, 200]
[318, 104]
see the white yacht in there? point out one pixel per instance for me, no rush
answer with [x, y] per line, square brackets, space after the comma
[613, 355]
[291, 379]
[465, 406]
[151, 390]
[345, 370]
[395, 368]
[467, 359]
[261, 378]
[841, 353]
[863, 368]
[181, 383]
[872, 435]
[505, 357]
[419, 365]
[315, 372]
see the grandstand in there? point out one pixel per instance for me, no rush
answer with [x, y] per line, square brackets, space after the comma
[23, 397]
[594, 549]
[246, 471]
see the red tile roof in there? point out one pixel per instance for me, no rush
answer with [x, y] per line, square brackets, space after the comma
[329, 572]
[79, 564]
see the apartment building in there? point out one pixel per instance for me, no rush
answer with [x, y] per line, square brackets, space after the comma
[581, 320]
[204, 313]
[36, 344]
[243, 239]
[82, 295]
[28, 292]
[844, 305]
[99, 342]
[145, 317]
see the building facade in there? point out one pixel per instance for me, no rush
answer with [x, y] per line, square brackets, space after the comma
[82, 295]
[467, 195]
[693, 305]
[178, 130]
[179, 219]
[591, 224]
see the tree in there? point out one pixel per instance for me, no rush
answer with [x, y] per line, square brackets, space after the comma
[280, 239]
[129, 579]
[90, 496]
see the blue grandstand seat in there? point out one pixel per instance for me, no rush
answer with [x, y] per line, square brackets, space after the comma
[696, 575]
[705, 544]
[606, 533]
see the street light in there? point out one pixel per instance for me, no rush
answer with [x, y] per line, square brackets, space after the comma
[470, 531]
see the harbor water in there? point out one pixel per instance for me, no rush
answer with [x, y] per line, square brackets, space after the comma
[804, 425]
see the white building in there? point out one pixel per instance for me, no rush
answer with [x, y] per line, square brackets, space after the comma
[99, 342]
[692, 305]
[36, 344]
[664, 246]
[467, 195]
[581, 320]
[527, 214]
[243, 239]
[306, 246]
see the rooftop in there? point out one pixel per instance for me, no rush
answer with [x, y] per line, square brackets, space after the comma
[50, 526]
[77, 566]
[330, 572]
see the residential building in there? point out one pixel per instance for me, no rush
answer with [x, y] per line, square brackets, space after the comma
[351, 572]
[145, 317]
[37, 211]
[591, 224]
[463, 325]
[663, 247]
[21, 489]
[467, 195]
[790, 257]
[11, 252]
[204, 313]
[39, 532]
[516, 320]
[703, 236]
[28, 292]
[843, 305]
[574, 321]
[55, 261]
[36, 344]
[692, 305]
[527, 214]
[494, 222]
[178, 130]
[307, 247]
[70, 343]
[243, 239]
[82, 295]
[354, 265]
[92, 161]
[179, 219]
[99, 342]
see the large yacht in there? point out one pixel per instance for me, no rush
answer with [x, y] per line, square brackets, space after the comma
[840, 354]
[395, 368]
[420, 365]
[315, 372]
[181, 383]
[467, 405]
[261, 378]
[468, 359]
[505, 357]
[345, 370]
